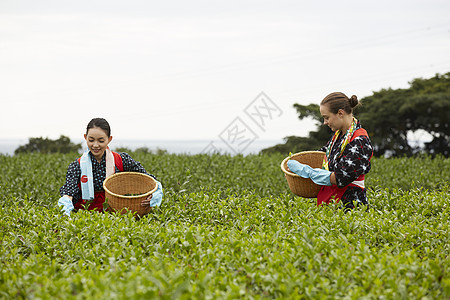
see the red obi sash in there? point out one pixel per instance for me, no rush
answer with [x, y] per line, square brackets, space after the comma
[99, 196]
[333, 192]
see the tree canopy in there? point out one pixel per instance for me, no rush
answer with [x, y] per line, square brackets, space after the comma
[388, 116]
[46, 145]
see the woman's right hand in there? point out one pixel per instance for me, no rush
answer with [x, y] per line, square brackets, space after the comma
[65, 202]
[299, 168]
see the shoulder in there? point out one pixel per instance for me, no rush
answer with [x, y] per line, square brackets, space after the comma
[361, 138]
[75, 164]
[359, 132]
[360, 145]
[74, 167]
[124, 155]
[127, 159]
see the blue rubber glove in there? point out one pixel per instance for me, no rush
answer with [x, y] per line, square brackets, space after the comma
[318, 176]
[66, 205]
[157, 196]
[299, 168]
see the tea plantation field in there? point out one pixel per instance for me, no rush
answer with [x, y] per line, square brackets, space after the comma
[228, 228]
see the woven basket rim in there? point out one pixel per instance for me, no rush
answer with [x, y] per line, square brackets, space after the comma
[129, 197]
[293, 155]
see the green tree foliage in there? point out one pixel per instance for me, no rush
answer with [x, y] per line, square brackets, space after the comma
[46, 145]
[388, 116]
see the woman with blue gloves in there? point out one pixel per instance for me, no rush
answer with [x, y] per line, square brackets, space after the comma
[85, 176]
[347, 158]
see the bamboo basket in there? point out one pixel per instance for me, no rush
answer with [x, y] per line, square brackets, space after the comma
[118, 185]
[303, 187]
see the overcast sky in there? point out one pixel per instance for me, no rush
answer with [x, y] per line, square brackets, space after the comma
[187, 69]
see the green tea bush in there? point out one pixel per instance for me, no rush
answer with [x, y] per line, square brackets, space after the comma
[228, 227]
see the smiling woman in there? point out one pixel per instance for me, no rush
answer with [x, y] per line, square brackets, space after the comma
[84, 180]
[98, 136]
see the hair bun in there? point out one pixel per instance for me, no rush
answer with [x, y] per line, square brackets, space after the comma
[353, 101]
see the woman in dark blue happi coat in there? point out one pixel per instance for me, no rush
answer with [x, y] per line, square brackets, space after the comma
[85, 176]
[348, 154]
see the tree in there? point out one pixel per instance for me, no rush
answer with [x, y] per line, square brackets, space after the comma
[46, 145]
[388, 116]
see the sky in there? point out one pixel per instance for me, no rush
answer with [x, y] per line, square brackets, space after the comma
[190, 70]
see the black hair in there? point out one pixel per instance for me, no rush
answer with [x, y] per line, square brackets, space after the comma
[100, 123]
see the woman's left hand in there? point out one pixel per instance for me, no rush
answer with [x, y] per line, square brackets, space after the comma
[146, 202]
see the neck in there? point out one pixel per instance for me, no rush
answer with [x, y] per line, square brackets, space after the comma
[98, 158]
[348, 120]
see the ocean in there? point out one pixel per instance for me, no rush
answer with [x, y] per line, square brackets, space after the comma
[245, 147]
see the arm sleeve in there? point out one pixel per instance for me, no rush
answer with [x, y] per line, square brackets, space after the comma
[70, 187]
[130, 165]
[354, 162]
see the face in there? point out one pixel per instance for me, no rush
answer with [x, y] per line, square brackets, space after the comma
[97, 141]
[334, 121]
